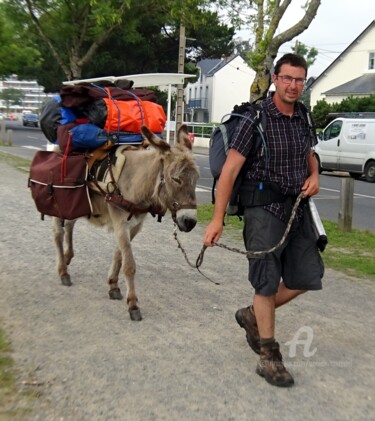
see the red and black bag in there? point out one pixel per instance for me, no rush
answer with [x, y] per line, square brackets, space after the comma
[58, 184]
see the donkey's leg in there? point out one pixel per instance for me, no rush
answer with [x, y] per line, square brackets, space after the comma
[114, 290]
[129, 269]
[69, 252]
[61, 264]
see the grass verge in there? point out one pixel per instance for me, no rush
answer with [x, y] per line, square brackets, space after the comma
[14, 401]
[16, 161]
[7, 374]
[349, 252]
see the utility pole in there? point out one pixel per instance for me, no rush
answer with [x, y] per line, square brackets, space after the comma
[180, 88]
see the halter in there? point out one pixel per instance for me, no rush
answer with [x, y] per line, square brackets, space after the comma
[114, 197]
[175, 206]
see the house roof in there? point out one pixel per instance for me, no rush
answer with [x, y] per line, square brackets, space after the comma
[210, 66]
[364, 84]
[369, 28]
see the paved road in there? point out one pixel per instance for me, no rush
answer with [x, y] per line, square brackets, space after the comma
[188, 359]
[27, 140]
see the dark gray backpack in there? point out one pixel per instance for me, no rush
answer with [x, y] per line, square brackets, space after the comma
[220, 143]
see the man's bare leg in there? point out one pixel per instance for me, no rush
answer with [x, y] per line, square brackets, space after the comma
[270, 365]
[264, 309]
[284, 295]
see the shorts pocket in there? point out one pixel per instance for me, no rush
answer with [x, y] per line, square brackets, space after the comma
[262, 275]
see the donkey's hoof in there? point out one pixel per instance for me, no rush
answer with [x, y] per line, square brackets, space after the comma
[135, 314]
[65, 280]
[115, 294]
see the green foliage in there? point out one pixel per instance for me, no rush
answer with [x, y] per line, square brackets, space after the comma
[320, 113]
[92, 38]
[208, 37]
[308, 53]
[17, 53]
[12, 96]
[151, 42]
[71, 30]
[352, 104]
[322, 109]
[263, 19]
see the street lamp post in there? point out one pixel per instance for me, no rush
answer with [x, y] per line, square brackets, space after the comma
[180, 88]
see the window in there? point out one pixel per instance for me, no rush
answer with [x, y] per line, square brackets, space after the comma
[371, 61]
[333, 130]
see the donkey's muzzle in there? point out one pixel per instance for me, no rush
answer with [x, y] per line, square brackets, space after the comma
[186, 219]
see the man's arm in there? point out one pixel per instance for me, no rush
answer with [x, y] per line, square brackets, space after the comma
[311, 184]
[229, 173]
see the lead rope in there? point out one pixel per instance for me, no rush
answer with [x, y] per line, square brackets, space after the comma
[199, 260]
[248, 253]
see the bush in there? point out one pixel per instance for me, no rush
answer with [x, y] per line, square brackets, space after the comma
[322, 109]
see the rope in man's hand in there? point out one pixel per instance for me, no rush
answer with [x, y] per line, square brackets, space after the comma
[252, 253]
[199, 260]
[248, 253]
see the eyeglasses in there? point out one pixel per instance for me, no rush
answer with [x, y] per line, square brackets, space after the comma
[289, 79]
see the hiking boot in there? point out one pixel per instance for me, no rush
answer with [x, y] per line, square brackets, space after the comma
[271, 367]
[246, 319]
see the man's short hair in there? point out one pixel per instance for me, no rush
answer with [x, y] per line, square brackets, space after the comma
[293, 60]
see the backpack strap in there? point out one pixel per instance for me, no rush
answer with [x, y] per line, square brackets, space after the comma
[260, 126]
[306, 115]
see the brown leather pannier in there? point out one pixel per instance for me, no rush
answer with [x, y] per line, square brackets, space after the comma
[58, 184]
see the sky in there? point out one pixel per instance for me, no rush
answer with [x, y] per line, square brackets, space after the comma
[336, 25]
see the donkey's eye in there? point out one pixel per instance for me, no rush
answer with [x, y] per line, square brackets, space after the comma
[177, 180]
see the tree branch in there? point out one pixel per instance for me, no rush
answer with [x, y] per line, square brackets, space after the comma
[299, 27]
[55, 54]
[100, 40]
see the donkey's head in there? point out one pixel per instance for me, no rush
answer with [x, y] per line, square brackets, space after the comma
[179, 176]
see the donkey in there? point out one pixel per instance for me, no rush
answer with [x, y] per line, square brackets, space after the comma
[154, 179]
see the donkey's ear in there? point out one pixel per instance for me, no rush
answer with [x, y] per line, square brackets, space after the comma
[154, 140]
[183, 137]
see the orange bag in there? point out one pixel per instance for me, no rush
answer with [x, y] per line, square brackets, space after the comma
[129, 116]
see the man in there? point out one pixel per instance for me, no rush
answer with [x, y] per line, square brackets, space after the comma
[282, 169]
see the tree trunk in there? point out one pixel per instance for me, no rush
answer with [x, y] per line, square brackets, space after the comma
[267, 44]
[262, 80]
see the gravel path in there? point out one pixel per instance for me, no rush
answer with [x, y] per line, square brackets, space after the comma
[188, 359]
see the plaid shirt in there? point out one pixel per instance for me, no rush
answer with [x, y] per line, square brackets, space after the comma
[285, 159]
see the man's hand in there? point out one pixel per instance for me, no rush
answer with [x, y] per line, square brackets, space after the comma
[311, 185]
[212, 233]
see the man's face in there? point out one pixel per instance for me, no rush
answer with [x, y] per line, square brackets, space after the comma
[289, 83]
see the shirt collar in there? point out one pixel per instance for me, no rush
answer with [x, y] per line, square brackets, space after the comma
[270, 106]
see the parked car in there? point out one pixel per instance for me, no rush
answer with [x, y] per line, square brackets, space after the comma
[348, 144]
[30, 120]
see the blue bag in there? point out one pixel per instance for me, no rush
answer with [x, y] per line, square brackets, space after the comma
[89, 136]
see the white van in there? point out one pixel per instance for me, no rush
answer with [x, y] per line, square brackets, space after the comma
[348, 144]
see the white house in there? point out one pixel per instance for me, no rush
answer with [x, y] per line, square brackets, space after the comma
[34, 95]
[222, 84]
[351, 74]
